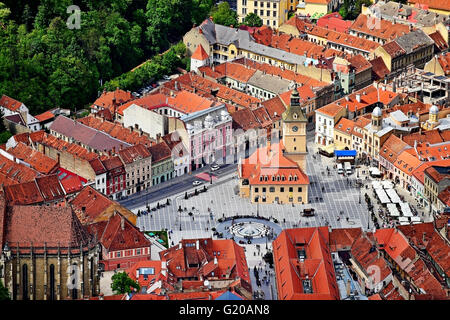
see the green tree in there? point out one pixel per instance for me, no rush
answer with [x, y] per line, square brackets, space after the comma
[122, 283]
[4, 294]
[222, 14]
[252, 20]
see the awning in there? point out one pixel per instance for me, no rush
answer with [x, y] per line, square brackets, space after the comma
[345, 153]
[377, 185]
[328, 149]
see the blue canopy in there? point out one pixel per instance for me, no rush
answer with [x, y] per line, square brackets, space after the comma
[345, 153]
[228, 296]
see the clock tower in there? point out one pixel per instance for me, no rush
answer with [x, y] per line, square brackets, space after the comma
[294, 131]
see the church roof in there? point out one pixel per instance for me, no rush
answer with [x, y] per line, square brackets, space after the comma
[294, 112]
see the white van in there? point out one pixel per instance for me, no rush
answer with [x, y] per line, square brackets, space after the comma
[348, 168]
[340, 168]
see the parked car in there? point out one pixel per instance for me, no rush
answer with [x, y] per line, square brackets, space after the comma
[196, 183]
[215, 167]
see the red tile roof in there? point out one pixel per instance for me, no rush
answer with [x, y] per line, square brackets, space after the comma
[430, 136]
[117, 131]
[300, 79]
[396, 245]
[118, 234]
[379, 68]
[381, 28]
[438, 175]
[343, 238]
[10, 103]
[268, 165]
[224, 257]
[187, 102]
[433, 4]
[444, 196]
[133, 153]
[444, 61]
[393, 49]
[334, 21]
[113, 99]
[439, 40]
[47, 115]
[160, 152]
[200, 53]
[92, 206]
[23, 194]
[50, 187]
[38, 225]
[13, 173]
[35, 159]
[317, 267]
[235, 71]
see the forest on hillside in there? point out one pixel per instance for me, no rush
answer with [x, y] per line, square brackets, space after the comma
[46, 64]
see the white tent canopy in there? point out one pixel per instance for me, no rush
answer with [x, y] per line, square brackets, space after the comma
[393, 195]
[406, 210]
[382, 196]
[392, 208]
[377, 185]
[415, 219]
[403, 219]
[387, 184]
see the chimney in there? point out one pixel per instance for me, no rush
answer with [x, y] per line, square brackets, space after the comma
[114, 150]
[163, 268]
[358, 97]
[197, 245]
[215, 260]
[180, 245]
[122, 223]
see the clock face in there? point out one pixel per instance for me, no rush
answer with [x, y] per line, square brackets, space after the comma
[295, 128]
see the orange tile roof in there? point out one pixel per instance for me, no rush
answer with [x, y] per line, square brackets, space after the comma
[331, 109]
[61, 145]
[433, 4]
[444, 196]
[235, 71]
[267, 165]
[343, 238]
[300, 79]
[429, 136]
[147, 102]
[113, 99]
[117, 131]
[10, 103]
[187, 102]
[292, 273]
[438, 176]
[369, 96]
[393, 49]
[334, 22]
[343, 39]
[406, 162]
[47, 115]
[425, 152]
[444, 61]
[204, 87]
[345, 125]
[35, 159]
[383, 28]
[13, 173]
[200, 53]
[224, 257]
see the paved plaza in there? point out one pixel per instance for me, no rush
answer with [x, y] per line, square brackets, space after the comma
[221, 200]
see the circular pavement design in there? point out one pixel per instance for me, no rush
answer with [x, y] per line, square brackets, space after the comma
[249, 228]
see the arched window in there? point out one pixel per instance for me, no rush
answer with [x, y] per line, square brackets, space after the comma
[25, 282]
[52, 282]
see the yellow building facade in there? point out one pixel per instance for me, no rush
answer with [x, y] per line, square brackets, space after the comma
[272, 13]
